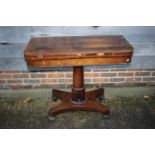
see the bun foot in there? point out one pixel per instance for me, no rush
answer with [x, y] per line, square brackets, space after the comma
[54, 98]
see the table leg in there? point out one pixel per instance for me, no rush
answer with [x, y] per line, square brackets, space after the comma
[78, 99]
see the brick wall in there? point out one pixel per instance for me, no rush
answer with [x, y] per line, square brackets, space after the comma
[63, 79]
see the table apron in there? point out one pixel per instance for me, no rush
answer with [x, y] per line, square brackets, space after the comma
[78, 62]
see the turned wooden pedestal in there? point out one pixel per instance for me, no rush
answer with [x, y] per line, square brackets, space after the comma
[78, 99]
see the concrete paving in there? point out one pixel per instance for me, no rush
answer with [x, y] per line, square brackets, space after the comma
[130, 108]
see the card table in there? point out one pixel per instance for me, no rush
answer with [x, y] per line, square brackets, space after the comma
[78, 51]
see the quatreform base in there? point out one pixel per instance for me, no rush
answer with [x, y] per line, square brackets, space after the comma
[78, 99]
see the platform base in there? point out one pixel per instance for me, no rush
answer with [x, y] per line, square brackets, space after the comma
[91, 102]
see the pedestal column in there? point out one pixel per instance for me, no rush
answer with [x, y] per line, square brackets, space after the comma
[78, 91]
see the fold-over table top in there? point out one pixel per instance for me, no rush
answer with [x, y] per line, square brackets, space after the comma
[77, 51]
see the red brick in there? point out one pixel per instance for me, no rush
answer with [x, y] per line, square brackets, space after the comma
[16, 86]
[11, 71]
[5, 76]
[2, 81]
[36, 75]
[101, 70]
[125, 74]
[148, 70]
[118, 69]
[100, 80]
[117, 79]
[65, 81]
[130, 69]
[14, 81]
[136, 79]
[24, 75]
[108, 74]
[55, 75]
[31, 81]
[87, 80]
[142, 73]
[153, 73]
[149, 79]
[69, 75]
[90, 74]
[45, 81]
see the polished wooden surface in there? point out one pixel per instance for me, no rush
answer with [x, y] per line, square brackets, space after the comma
[91, 104]
[78, 98]
[77, 51]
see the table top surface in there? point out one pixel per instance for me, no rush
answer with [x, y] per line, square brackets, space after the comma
[72, 47]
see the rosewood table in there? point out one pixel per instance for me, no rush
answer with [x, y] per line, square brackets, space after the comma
[78, 51]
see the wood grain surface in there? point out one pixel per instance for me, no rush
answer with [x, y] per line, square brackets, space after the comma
[78, 51]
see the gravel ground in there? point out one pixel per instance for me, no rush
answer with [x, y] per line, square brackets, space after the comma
[28, 108]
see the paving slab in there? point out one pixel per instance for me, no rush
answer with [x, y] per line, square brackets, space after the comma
[28, 108]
